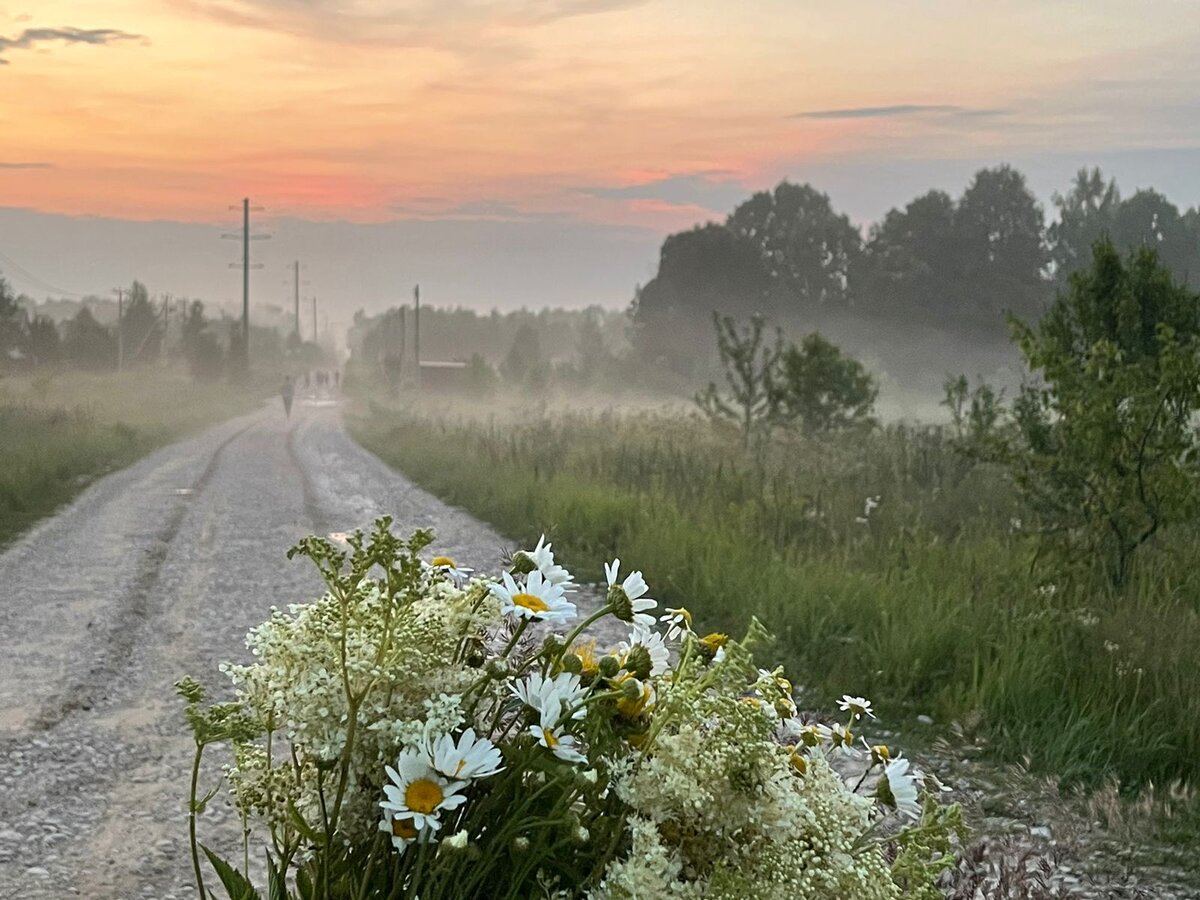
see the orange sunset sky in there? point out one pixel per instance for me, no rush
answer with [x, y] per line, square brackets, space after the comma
[636, 115]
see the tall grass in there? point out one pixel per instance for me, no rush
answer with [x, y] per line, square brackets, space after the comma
[933, 603]
[59, 432]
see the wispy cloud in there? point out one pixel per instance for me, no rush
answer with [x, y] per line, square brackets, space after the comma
[712, 189]
[404, 22]
[25, 165]
[900, 109]
[31, 37]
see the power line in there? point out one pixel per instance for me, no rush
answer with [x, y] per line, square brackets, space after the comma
[40, 282]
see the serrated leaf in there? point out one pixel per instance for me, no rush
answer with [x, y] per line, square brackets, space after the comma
[235, 883]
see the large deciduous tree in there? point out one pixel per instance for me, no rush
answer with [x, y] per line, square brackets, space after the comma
[807, 249]
[700, 272]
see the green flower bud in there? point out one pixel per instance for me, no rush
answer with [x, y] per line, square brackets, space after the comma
[622, 606]
[638, 662]
[552, 644]
[572, 663]
[522, 563]
[631, 690]
[609, 666]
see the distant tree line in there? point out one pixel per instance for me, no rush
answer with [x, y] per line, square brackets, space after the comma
[958, 265]
[207, 347]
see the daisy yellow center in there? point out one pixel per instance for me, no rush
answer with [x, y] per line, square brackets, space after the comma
[443, 561]
[404, 828]
[551, 740]
[530, 601]
[423, 796]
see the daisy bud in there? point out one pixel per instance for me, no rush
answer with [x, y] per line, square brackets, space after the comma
[785, 708]
[622, 606]
[638, 662]
[609, 666]
[572, 663]
[631, 690]
[522, 563]
[552, 644]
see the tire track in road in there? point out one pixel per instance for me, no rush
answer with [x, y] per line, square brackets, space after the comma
[312, 505]
[123, 634]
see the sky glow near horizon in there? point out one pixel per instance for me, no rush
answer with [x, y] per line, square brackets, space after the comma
[648, 115]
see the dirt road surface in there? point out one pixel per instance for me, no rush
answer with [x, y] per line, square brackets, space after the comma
[156, 572]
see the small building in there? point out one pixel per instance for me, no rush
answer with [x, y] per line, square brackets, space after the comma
[443, 375]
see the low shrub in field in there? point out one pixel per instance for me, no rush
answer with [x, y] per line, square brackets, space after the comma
[416, 732]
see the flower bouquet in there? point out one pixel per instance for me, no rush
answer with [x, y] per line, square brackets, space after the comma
[421, 732]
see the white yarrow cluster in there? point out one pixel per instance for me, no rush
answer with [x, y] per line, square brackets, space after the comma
[404, 701]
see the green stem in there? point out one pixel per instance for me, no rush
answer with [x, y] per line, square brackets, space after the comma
[192, 820]
[516, 637]
[579, 629]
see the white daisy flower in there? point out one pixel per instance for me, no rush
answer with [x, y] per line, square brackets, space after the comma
[447, 564]
[537, 599]
[551, 571]
[897, 788]
[418, 792]
[679, 622]
[634, 587]
[550, 697]
[839, 737]
[469, 759]
[558, 742]
[856, 706]
[652, 641]
[401, 828]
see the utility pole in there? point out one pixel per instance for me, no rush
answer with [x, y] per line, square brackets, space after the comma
[120, 292]
[296, 276]
[245, 266]
[162, 346]
[314, 300]
[417, 331]
[403, 340]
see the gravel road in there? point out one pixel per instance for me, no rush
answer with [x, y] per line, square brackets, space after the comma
[156, 572]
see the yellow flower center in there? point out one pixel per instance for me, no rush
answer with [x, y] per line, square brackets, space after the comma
[550, 739]
[799, 763]
[444, 561]
[633, 708]
[530, 602]
[589, 661]
[404, 828]
[423, 796]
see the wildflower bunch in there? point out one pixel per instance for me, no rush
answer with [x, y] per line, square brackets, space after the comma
[420, 731]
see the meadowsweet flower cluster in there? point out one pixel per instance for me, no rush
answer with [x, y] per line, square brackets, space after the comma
[422, 731]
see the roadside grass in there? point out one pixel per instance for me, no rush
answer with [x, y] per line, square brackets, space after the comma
[59, 432]
[933, 603]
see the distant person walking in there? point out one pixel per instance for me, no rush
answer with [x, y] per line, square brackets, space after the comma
[287, 392]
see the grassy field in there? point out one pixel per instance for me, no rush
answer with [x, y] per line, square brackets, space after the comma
[60, 432]
[932, 603]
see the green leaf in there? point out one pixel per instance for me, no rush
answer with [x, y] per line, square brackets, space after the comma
[303, 827]
[304, 885]
[236, 885]
[276, 882]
